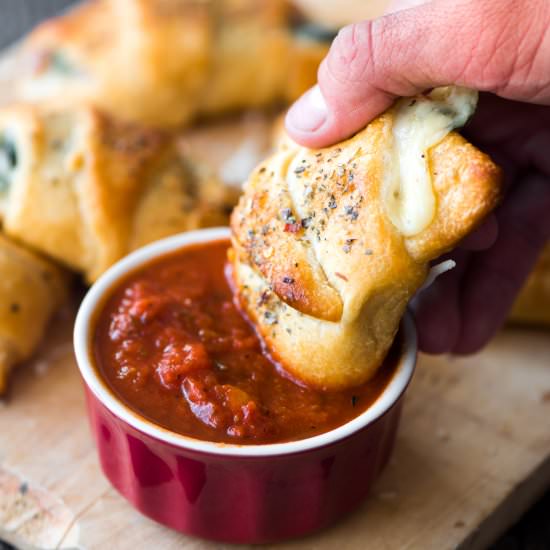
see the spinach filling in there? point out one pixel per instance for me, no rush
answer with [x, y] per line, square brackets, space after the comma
[59, 63]
[8, 162]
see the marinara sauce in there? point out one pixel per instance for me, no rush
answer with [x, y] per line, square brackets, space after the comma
[172, 345]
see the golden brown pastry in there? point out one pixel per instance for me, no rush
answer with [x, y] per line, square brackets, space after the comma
[86, 189]
[163, 62]
[532, 306]
[186, 196]
[329, 245]
[31, 290]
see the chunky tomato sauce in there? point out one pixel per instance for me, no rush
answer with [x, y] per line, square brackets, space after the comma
[172, 345]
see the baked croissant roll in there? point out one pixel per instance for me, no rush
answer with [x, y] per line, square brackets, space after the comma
[86, 189]
[532, 306]
[163, 62]
[31, 290]
[329, 245]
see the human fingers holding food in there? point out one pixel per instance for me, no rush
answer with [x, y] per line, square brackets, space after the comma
[515, 135]
[491, 45]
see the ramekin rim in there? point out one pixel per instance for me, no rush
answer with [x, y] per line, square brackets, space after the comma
[82, 335]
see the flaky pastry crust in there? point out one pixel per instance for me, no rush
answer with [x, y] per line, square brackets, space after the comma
[532, 306]
[31, 290]
[318, 265]
[165, 62]
[86, 189]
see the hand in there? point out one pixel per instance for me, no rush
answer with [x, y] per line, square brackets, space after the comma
[496, 46]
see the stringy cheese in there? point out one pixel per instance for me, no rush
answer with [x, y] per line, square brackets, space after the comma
[436, 271]
[420, 123]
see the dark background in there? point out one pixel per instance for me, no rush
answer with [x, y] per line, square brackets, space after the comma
[18, 16]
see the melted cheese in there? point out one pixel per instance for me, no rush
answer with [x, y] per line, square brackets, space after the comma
[420, 123]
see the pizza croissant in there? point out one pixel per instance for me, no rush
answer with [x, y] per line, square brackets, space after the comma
[328, 246]
[86, 189]
[164, 62]
[31, 290]
[532, 306]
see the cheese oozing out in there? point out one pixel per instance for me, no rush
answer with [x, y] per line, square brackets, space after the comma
[420, 123]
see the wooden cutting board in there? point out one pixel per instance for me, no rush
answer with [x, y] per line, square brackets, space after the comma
[473, 453]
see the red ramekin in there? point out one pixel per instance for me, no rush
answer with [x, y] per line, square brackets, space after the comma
[234, 493]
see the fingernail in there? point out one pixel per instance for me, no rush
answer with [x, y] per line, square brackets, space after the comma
[309, 112]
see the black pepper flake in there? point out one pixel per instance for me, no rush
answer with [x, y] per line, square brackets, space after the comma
[350, 241]
[264, 297]
[251, 233]
[413, 102]
[286, 214]
[299, 170]
[351, 212]
[265, 230]
[346, 248]
[288, 280]
[306, 222]
[15, 307]
[289, 331]
[270, 318]
[368, 252]
[24, 488]
[332, 203]
[354, 400]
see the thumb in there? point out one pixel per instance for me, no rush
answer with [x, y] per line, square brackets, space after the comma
[490, 45]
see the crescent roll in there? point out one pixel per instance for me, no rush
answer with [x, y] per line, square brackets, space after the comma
[86, 189]
[532, 306]
[329, 245]
[164, 62]
[31, 290]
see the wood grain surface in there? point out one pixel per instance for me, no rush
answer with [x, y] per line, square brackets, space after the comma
[473, 453]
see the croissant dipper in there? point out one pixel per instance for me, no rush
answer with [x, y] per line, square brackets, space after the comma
[329, 245]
